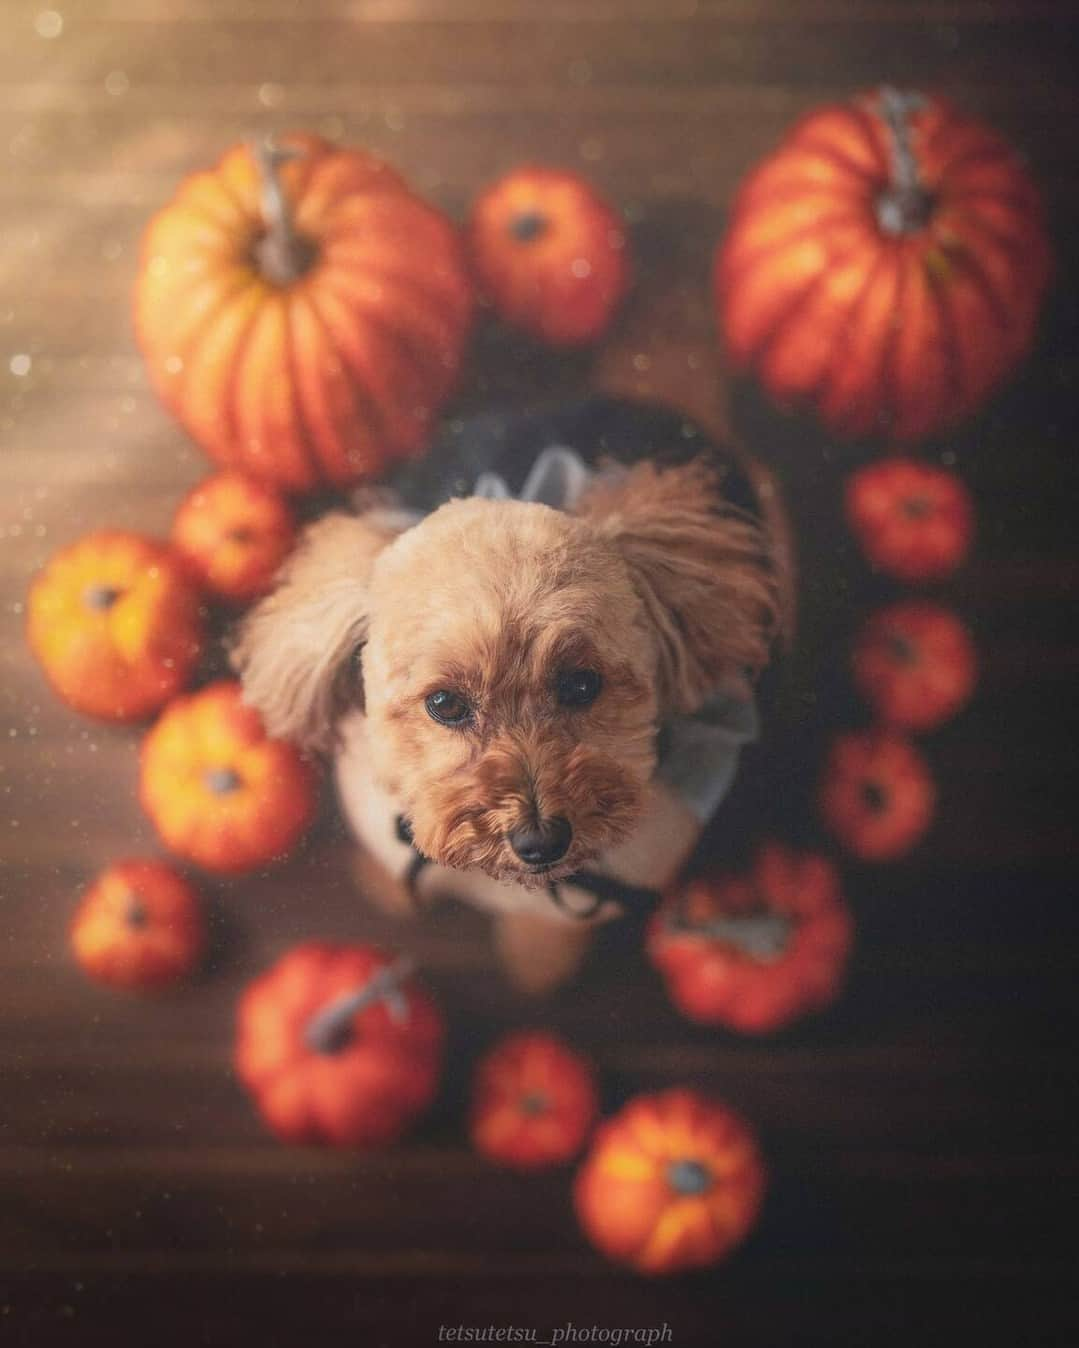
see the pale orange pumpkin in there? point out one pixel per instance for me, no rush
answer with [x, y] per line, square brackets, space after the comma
[116, 624]
[302, 312]
[885, 265]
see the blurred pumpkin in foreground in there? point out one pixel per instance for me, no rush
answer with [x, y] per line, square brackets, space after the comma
[914, 662]
[220, 792]
[877, 795]
[913, 520]
[338, 1044]
[138, 926]
[301, 312]
[533, 1102]
[551, 256]
[673, 1181]
[233, 532]
[755, 952]
[886, 265]
[116, 624]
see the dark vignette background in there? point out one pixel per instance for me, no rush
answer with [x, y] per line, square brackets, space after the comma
[922, 1134]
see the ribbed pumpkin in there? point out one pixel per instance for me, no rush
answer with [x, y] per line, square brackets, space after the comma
[219, 790]
[116, 624]
[139, 926]
[302, 312]
[339, 1045]
[876, 795]
[672, 1182]
[913, 520]
[755, 952]
[914, 662]
[533, 1102]
[886, 265]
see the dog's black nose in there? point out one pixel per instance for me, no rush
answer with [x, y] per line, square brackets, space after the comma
[542, 843]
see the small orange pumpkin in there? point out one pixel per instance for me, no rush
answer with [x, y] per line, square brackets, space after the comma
[301, 312]
[138, 926]
[550, 255]
[913, 520]
[886, 265]
[673, 1181]
[116, 625]
[533, 1102]
[220, 792]
[233, 532]
[877, 795]
[339, 1045]
[755, 952]
[914, 662]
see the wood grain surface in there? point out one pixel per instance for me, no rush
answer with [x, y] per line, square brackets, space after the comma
[922, 1133]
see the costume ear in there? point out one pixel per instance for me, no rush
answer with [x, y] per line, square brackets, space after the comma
[297, 651]
[702, 570]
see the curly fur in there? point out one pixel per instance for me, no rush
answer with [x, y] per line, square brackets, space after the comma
[653, 583]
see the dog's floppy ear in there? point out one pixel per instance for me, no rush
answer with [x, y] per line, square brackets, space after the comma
[296, 651]
[701, 568]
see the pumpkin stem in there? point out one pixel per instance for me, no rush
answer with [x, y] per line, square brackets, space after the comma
[761, 935]
[282, 255]
[329, 1030]
[689, 1178]
[905, 205]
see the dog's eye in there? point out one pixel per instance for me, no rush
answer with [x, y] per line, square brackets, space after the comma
[578, 687]
[446, 707]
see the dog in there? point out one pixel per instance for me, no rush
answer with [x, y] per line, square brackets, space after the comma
[493, 680]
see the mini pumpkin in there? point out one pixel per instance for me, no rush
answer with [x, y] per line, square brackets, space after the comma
[139, 926]
[913, 520]
[550, 255]
[220, 792]
[755, 952]
[914, 662]
[877, 795]
[116, 625]
[886, 264]
[302, 312]
[339, 1045]
[233, 532]
[674, 1181]
[533, 1102]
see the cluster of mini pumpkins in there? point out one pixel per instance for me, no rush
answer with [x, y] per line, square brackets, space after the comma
[305, 316]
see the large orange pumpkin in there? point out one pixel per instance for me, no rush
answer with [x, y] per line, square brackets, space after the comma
[876, 795]
[233, 531]
[338, 1044]
[915, 663]
[116, 624]
[755, 952]
[886, 264]
[220, 791]
[302, 312]
[139, 926]
[674, 1181]
[533, 1102]
[913, 520]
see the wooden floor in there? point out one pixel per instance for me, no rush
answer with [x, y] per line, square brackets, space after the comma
[922, 1134]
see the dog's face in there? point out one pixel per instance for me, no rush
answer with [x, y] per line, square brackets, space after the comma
[513, 660]
[509, 686]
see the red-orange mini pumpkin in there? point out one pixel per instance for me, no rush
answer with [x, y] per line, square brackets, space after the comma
[877, 795]
[915, 664]
[886, 264]
[301, 312]
[233, 532]
[758, 951]
[913, 520]
[674, 1181]
[116, 624]
[220, 791]
[550, 255]
[339, 1045]
[533, 1102]
[138, 926]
